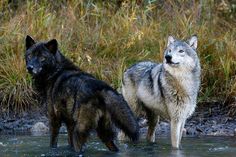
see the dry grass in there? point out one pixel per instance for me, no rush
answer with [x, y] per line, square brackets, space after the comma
[104, 40]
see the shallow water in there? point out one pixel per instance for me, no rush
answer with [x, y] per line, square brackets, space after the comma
[28, 145]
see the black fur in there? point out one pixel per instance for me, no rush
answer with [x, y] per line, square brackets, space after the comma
[150, 80]
[76, 98]
[160, 85]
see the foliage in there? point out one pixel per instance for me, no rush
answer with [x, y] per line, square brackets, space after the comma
[105, 38]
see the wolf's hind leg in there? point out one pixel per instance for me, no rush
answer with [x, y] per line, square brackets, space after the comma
[55, 125]
[87, 118]
[79, 138]
[106, 133]
[153, 119]
[181, 130]
[70, 130]
[175, 133]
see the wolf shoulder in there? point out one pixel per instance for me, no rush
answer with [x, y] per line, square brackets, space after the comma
[141, 70]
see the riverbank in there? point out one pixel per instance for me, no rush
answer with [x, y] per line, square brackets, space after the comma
[208, 120]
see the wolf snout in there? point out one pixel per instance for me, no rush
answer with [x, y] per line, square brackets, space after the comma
[30, 68]
[168, 58]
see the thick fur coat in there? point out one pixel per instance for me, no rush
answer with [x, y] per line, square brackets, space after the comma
[76, 98]
[168, 89]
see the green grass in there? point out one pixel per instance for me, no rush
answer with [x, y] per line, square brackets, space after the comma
[104, 40]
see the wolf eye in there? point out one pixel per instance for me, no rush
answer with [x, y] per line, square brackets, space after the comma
[29, 56]
[42, 59]
[181, 51]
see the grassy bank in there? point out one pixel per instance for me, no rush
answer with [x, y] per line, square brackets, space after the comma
[104, 39]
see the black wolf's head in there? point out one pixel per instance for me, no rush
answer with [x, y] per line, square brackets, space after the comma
[42, 57]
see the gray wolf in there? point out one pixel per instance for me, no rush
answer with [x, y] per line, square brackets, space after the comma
[76, 98]
[168, 89]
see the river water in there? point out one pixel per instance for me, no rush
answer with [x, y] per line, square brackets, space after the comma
[28, 145]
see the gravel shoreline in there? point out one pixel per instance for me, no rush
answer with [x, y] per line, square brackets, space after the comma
[206, 121]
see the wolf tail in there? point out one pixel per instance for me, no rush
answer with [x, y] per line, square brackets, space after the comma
[121, 114]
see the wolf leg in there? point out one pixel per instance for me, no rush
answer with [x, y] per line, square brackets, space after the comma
[87, 118]
[79, 138]
[70, 129]
[55, 125]
[181, 130]
[106, 133]
[152, 122]
[175, 133]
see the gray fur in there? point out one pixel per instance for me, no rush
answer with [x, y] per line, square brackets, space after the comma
[168, 89]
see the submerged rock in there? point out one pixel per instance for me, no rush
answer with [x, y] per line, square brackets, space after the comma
[39, 128]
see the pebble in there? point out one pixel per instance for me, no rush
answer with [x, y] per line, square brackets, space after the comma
[184, 132]
[217, 123]
[39, 129]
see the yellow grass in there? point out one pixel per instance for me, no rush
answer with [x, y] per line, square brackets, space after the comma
[104, 39]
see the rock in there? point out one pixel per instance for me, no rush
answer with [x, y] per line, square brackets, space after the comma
[184, 132]
[9, 126]
[1, 144]
[143, 123]
[191, 131]
[39, 129]
[164, 124]
[27, 126]
[1, 126]
[235, 132]
[165, 127]
[219, 133]
[199, 129]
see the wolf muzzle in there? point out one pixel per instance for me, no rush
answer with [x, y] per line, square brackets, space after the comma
[32, 70]
[168, 58]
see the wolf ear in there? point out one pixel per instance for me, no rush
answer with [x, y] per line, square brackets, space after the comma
[171, 39]
[29, 42]
[52, 46]
[193, 42]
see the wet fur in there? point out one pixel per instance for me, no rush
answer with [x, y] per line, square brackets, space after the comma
[76, 98]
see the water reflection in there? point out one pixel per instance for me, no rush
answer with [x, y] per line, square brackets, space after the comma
[177, 153]
[25, 145]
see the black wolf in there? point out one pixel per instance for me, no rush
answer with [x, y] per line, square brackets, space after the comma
[76, 98]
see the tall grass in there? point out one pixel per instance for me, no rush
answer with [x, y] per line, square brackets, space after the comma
[104, 39]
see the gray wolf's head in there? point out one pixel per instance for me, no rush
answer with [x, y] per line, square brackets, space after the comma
[41, 57]
[181, 54]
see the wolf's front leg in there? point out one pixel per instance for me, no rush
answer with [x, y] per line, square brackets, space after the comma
[176, 126]
[55, 125]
